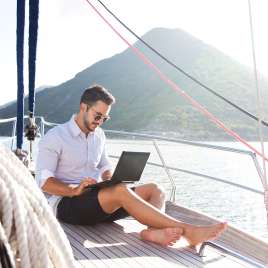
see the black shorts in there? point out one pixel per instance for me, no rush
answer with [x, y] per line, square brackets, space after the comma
[85, 209]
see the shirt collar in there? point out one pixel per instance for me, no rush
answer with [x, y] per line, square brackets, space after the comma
[74, 128]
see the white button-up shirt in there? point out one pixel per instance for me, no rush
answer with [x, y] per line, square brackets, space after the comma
[68, 155]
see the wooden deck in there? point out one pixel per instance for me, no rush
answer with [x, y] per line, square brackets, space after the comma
[118, 245]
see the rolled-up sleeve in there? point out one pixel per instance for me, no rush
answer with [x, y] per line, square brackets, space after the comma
[49, 149]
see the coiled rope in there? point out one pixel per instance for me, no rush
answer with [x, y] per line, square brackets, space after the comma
[29, 231]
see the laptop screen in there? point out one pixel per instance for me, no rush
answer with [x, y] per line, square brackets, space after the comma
[130, 166]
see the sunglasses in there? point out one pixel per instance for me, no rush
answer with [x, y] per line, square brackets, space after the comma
[99, 116]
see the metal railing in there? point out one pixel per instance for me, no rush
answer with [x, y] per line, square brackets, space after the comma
[154, 139]
[230, 252]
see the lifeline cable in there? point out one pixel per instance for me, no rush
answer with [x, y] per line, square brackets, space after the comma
[182, 71]
[177, 88]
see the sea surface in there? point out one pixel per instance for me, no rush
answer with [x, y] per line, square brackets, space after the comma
[238, 206]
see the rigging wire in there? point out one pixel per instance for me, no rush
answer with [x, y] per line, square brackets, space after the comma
[181, 70]
[176, 88]
[259, 103]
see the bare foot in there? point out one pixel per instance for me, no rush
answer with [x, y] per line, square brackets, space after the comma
[164, 237]
[198, 234]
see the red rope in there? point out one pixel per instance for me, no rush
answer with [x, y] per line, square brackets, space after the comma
[179, 90]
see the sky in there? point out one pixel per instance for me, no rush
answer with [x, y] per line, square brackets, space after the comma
[72, 37]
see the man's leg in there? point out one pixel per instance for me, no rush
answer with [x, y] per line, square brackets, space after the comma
[151, 193]
[155, 196]
[112, 198]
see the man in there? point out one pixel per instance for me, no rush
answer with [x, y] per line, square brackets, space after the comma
[73, 156]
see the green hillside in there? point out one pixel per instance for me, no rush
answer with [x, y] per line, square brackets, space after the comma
[145, 103]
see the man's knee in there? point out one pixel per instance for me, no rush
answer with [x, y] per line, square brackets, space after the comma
[159, 191]
[114, 192]
[120, 190]
[111, 198]
[156, 190]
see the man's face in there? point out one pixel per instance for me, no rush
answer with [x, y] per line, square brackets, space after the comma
[95, 115]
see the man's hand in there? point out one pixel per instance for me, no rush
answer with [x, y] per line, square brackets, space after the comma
[107, 175]
[78, 190]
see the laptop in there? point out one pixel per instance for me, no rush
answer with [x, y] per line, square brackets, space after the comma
[128, 169]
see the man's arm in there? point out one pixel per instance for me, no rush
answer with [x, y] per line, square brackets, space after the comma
[55, 187]
[46, 165]
[105, 166]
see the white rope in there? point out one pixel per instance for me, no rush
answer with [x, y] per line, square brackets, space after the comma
[38, 203]
[28, 228]
[8, 248]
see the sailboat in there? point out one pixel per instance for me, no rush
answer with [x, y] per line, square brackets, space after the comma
[117, 244]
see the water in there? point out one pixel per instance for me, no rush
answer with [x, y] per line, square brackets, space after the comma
[239, 207]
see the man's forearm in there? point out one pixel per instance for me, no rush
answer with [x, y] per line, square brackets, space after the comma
[56, 187]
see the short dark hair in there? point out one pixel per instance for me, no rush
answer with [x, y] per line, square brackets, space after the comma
[97, 93]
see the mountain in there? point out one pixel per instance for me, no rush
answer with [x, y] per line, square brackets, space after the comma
[145, 103]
